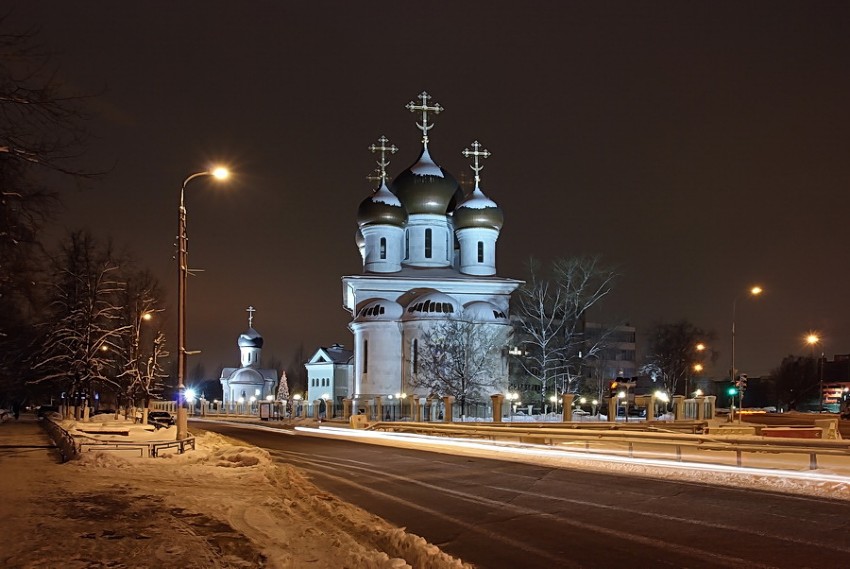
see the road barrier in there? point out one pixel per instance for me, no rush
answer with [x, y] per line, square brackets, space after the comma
[631, 438]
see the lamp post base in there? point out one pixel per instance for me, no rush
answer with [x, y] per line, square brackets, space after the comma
[182, 423]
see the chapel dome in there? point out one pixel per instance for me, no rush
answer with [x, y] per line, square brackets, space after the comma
[426, 188]
[250, 339]
[381, 208]
[481, 311]
[477, 210]
[432, 305]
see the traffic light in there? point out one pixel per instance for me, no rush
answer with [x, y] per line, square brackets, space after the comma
[742, 382]
[732, 390]
[612, 389]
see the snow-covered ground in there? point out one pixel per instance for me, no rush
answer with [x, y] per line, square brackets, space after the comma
[226, 505]
[222, 505]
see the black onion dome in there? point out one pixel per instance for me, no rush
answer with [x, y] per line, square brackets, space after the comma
[381, 208]
[426, 188]
[250, 339]
[477, 210]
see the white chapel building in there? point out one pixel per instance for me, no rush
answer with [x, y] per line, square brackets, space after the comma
[240, 384]
[429, 254]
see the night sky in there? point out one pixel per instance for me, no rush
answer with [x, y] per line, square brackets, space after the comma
[699, 146]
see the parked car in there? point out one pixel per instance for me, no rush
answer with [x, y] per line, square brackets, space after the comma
[44, 410]
[161, 417]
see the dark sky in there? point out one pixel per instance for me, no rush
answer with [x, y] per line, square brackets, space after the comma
[699, 146]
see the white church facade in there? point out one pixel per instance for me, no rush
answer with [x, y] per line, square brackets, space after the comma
[429, 257]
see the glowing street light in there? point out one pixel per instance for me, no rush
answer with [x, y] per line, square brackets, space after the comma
[219, 173]
[813, 339]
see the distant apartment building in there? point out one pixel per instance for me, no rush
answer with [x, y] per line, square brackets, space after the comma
[617, 356]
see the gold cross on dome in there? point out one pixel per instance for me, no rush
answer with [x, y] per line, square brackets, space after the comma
[424, 126]
[251, 310]
[383, 149]
[477, 153]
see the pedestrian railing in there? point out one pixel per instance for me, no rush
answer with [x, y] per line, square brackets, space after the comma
[70, 446]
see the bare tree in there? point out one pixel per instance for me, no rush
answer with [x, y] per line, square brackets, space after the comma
[673, 353]
[462, 359]
[141, 350]
[83, 330]
[584, 281]
[539, 327]
[549, 317]
[40, 133]
[796, 381]
[296, 372]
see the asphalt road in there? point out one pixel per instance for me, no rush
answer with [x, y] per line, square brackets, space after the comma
[497, 514]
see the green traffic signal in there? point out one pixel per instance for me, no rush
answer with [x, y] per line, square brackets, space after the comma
[732, 391]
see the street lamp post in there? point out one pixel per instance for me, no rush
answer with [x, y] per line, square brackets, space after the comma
[812, 340]
[754, 291]
[183, 275]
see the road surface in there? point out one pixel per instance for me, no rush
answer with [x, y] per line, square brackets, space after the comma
[497, 514]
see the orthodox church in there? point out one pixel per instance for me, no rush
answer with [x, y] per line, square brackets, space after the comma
[240, 384]
[429, 256]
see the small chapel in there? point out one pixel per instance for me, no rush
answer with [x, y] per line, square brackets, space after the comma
[240, 384]
[429, 256]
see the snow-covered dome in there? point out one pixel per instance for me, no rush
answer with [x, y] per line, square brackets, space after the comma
[426, 188]
[481, 311]
[477, 210]
[378, 310]
[381, 208]
[432, 305]
[250, 339]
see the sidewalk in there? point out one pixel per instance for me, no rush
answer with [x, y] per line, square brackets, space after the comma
[62, 515]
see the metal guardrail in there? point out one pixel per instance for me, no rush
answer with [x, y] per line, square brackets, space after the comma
[70, 446]
[552, 435]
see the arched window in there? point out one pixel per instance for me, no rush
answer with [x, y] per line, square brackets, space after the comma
[383, 248]
[428, 243]
[480, 251]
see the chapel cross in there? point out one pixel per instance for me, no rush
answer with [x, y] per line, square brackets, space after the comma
[424, 126]
[375, 176]
[251, 310]
[383, 149]
[476, 154]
